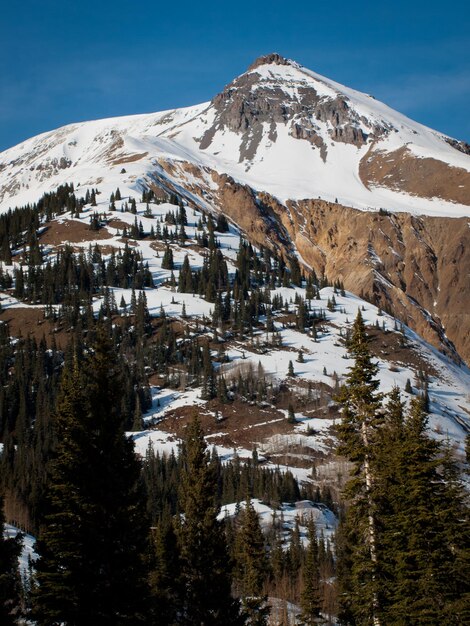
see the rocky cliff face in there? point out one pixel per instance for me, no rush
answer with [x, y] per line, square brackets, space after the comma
[417, 267]
[255, 99]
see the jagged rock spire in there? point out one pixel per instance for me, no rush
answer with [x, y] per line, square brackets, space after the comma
[270, 59]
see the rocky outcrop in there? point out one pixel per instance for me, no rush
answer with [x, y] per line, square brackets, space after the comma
[269, 59]
[255, 217]
[253, 100]
[461, 146]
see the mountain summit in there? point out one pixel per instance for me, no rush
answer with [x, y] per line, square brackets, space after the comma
[303, 165]
[279, 128]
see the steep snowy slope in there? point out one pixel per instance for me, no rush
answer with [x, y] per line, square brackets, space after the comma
[278, 128]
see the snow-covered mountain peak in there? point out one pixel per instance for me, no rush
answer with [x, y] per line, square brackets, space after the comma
[275, 91]
[278, 128]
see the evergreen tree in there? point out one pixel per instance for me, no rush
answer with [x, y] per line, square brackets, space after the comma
[92, 539]
[291, 415]
[167, 260]
[205, 576]
[403, 545]
[359, 575]
[424, 539]
[310, 599]
[5, 254]
[251, 567]
[164, 576]
[138, 423]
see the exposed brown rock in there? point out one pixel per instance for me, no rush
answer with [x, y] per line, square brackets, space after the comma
[401, 170]
[269, 59]
[415, 267]
[129, 158]
[257, 219]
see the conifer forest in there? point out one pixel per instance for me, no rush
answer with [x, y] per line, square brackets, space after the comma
[200, 430]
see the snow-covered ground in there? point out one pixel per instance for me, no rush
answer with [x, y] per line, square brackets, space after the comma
[287, 515]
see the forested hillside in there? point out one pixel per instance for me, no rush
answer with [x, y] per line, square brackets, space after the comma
[198, 430]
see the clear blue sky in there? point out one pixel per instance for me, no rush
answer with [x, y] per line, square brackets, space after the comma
[65, 61]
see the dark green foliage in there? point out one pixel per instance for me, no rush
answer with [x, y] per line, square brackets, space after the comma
[222, 223]
[167, 260]
[164, 578]
[403, 543]
[251, 566]
[71, 279]
[296, 275]
[310, 599]
[358, 573]
[359, 398]
[236, 480]
[185, 280]
[92, 538]
[424, 524]
[205, 579]
[291, 415]
[28, 376]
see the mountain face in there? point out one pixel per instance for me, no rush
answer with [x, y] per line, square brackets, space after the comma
[302, 164]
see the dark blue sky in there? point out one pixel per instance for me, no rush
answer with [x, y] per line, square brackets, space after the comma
[64, 61]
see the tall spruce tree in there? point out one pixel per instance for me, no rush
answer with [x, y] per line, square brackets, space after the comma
[205, 566]
[424, 539]
[251, 567]
[359, 575]
[90, 568]
[164, 577]
[418, 572]
[10, 583]
[310, 598]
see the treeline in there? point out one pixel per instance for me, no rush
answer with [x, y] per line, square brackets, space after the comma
[73, 277]
[234, 482]
[19, 226]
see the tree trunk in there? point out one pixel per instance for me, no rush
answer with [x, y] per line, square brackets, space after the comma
[371, 521]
